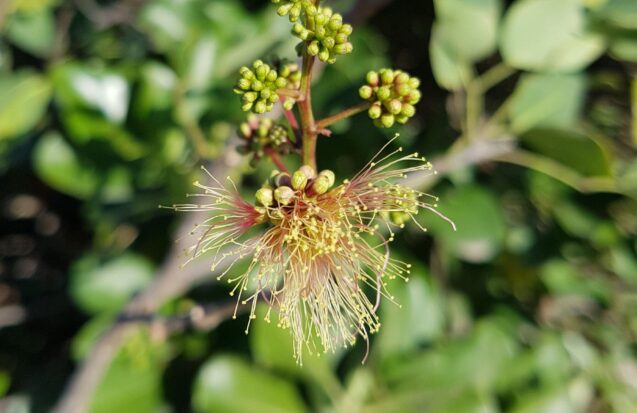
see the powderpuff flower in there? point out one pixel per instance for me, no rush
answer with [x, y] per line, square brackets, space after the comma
[317, 254]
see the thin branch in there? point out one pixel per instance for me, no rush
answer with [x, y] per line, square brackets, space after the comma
[354, 110]
[274, 157]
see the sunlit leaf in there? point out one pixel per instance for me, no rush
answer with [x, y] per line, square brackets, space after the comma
[548, 35]
[24, 97]
[227, 384]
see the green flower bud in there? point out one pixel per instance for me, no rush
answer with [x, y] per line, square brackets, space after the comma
[394, 106]
[372, 78]
[387, 120]
[403, 89]
[324, 55]
[265, 197]
[366, 92]
[244, 84]
[329, 42]
[414, 83]
[330, 176]
[375, 111]
[346, 29]
[408, 110]
[246, 106]
[313, 48]
[319, 186]
[260, 107]
[414, 97]
[345, 48]
[284, 195]
[387, 76]
[299, 180]
[383, 93]
[245, 130]
[402, 119]
[401, 77]
[249, 97]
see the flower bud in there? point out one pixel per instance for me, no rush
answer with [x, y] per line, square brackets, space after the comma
[366, 92]
[308, 171]
[394, 106]
[375, 111]
[282, 179]
[387, 120]
[313, 48]
[245, 129]
[299, 180]
[324, 55]
[372, 78]
[414, 83]
[383, 93]
[401, 77]
[288, 104]
[244, 84]
[265, 197]
[249, 97]
[284, 195]
[403, 89]
[260, 107]
[319, 186]
[246, 106]
[387, 76]
[330, 176]
[408, 110]
[414, 97]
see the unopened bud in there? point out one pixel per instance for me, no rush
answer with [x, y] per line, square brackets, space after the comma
[265, 197]
[366, 92]
[375, 111]
[383, 93]
[284, 195]
[387, 120]
[319, 186]
[308, 171]
[408, 110]
[299, 180]
[387, 76]
[282, 179]
[394, 106]
[329, 175]
[373, 78]
[246, 130]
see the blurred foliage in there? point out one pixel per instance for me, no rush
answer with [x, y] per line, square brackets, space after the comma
[108, 108]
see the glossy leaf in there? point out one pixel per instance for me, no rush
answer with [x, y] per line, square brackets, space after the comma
[227, 384]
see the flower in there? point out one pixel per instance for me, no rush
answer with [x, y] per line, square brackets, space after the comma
[314, 248]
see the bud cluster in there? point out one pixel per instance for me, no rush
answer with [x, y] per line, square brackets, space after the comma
[258, 87]
[393, 94]
[293, 8]
[283, 189]
[263, 133]
[324, 34]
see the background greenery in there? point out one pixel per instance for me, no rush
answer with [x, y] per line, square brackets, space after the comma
[530, 108]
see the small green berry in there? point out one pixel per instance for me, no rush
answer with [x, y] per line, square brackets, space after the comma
[387, 120]
[366, 92]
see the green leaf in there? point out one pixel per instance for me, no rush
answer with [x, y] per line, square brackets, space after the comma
[572, 398]
[624, 48]
[468, 28]
[621, 13]
[104, 287]
[33, 31]
[575, 150]
[104, 90]
[24, 97]
[227, 384]
[133, 382]
[634, 109]
[449, 70]
[548, 35]
[480, 225]
[563, 278]
[272, 348]
[5, 382]
[58, 166]
[416, 317]
[547, 100]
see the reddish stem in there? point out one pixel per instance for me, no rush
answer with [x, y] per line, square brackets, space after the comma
[274, 156]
